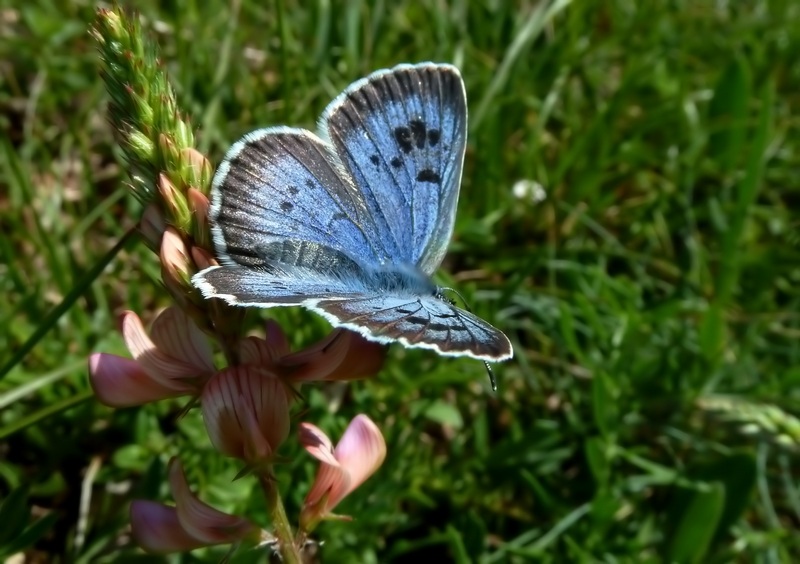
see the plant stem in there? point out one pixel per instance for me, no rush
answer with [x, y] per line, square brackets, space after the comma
[280, 522]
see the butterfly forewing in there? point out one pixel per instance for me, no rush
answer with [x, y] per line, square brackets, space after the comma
[401, 134]
[283, 183]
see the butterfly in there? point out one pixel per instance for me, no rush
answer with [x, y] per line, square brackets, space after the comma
[351, 222]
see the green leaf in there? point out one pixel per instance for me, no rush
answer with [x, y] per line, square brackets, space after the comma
[746, 192]
[712, 332]
[604, 406]
[30, 535]
[737, 473]
[727, 114]
[14, 514]
[597, 457]
[472, 532]
[567, 325]
[459, 551]
[80, 288]
[698, 524]
[605, 506]
[445, 414]
[713, 328]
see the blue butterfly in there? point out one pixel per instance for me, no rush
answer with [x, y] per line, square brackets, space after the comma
[352, 222]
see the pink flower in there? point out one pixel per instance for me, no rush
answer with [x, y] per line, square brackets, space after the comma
[358, 455]
[342, 355]
[175, 360]
[246, 411]
[190, 524]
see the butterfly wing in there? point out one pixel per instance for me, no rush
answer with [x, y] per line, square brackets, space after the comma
[417, 322]
[282, 197]
[288, 272]
[291, 228]
[280, 184]
[401, 134]
[254, 287]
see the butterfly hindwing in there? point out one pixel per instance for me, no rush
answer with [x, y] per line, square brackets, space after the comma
[401, 134]
[418, 321]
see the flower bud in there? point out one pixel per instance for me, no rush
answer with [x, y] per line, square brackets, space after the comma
[175, 204]
[176, 266]
[195, 168]
[198, 203]
[152, 226]
[202, 258]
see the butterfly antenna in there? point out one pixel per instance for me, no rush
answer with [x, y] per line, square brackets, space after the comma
[488, 366]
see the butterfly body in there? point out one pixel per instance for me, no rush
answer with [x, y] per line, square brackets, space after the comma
[352, 223]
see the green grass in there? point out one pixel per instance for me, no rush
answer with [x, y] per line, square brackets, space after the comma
[652, 297]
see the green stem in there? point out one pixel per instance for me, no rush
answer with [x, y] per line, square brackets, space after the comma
[290, 552]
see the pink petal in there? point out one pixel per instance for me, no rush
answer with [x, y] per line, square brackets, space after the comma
[363, 359]
[361, 451]
[164, 368]
[136, 338]
[177, 335]
[342, 355]
[317, 443]
[332, 481]
[200, 520]
[256, 352]
[121, 382]
[255, 446]
[276, 339]
[267, 351]
[156, 528]
[246, 410]
[159, 365]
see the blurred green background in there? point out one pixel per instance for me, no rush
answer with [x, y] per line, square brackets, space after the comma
[628, 217]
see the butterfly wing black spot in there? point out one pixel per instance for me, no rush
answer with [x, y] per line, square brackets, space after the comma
[417, 128]
[403, 137]
[428, 175]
